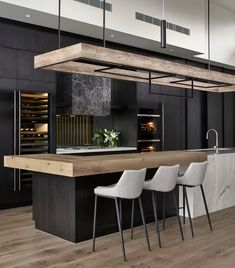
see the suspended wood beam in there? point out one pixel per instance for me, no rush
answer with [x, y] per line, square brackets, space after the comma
[105, 62]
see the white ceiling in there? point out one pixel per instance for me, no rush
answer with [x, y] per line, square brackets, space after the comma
[227, 4]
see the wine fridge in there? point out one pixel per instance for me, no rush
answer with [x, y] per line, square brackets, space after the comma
[150, 130]
[31, 125]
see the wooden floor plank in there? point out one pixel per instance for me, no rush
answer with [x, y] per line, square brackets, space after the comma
[22, 246]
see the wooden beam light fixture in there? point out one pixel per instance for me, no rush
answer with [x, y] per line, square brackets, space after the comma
[105, 62]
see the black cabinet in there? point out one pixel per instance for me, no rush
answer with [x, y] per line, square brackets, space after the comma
[124, 113]
[174, 135]
[9, 195]
[197, 120]
[215, 111]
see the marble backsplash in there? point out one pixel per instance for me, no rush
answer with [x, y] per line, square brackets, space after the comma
[84, 95]
[91, 95]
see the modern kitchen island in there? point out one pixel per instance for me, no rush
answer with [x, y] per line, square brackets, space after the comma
[63, 189]
[219, 183]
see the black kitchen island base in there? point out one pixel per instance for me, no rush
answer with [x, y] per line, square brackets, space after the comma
[64, 206]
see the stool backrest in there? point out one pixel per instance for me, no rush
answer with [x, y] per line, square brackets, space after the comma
[195, 174]
[131, 183]
[165, 178]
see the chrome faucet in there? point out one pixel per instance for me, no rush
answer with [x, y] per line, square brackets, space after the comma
[216, 147]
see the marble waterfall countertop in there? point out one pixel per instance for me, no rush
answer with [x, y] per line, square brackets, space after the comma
[92, 149]
[219, 183]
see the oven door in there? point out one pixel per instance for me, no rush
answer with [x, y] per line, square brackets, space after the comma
[149, 127]
[149, 132]
[149, 145]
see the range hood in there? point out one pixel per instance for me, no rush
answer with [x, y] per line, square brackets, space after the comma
[110, 63]
[83, 95]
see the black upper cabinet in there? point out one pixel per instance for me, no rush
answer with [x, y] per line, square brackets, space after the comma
[25, 68]
[8, 62]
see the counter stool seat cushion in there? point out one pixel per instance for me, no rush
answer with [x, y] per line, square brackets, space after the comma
[164, 179]
[106, 191]
[194, 175]
[129, 186]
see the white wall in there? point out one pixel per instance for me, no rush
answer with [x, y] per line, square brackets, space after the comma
[222, 35]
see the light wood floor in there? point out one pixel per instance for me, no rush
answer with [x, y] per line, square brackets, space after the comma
[21, 245]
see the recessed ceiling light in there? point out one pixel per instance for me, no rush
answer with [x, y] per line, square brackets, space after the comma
[171, 50]
[111, 35]
[27, 15]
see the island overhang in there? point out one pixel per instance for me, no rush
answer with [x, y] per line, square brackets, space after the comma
[77, 166]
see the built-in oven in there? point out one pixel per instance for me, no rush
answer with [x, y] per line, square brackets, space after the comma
[150, 130]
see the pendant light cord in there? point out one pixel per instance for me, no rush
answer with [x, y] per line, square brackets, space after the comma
[208, 35]
[59, 23]
[163, 9]
[104, 32]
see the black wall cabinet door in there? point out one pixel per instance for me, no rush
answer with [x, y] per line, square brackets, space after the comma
[8, 197]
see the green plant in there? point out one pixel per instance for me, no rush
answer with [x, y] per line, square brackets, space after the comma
[106, 138]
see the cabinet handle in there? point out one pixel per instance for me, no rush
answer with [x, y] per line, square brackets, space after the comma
[14, 141]
[19, 137]
[163, 127]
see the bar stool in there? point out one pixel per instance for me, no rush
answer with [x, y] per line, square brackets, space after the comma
[129, 186]
[193, 177]
[164, 181]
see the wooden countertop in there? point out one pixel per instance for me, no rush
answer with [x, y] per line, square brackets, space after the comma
[76, 166]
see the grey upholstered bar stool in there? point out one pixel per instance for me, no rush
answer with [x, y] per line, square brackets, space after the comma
[164, 181]
[193, 177]
[129, 186]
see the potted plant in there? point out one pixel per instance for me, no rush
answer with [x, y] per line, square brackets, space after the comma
[106, 138]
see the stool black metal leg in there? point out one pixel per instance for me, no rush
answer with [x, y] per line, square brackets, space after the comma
[120, 230]
[183, 206]
[177, 213]
[154, 199]
[189, 214]
[164, 212]
[143, 220]
[94, 223]
[207, 212]
[132, 216]
[120, 210]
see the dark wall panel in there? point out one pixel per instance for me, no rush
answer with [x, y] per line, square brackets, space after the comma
[124, 111]
[196, 120]
[215, 117]
[8, 62]
[25, 68]
[229, 119]
[175, 112]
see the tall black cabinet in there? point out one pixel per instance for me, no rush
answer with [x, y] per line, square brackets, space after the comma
[9, 195]
[24, 117]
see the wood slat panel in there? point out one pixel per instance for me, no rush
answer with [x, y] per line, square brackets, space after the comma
[74, 130]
